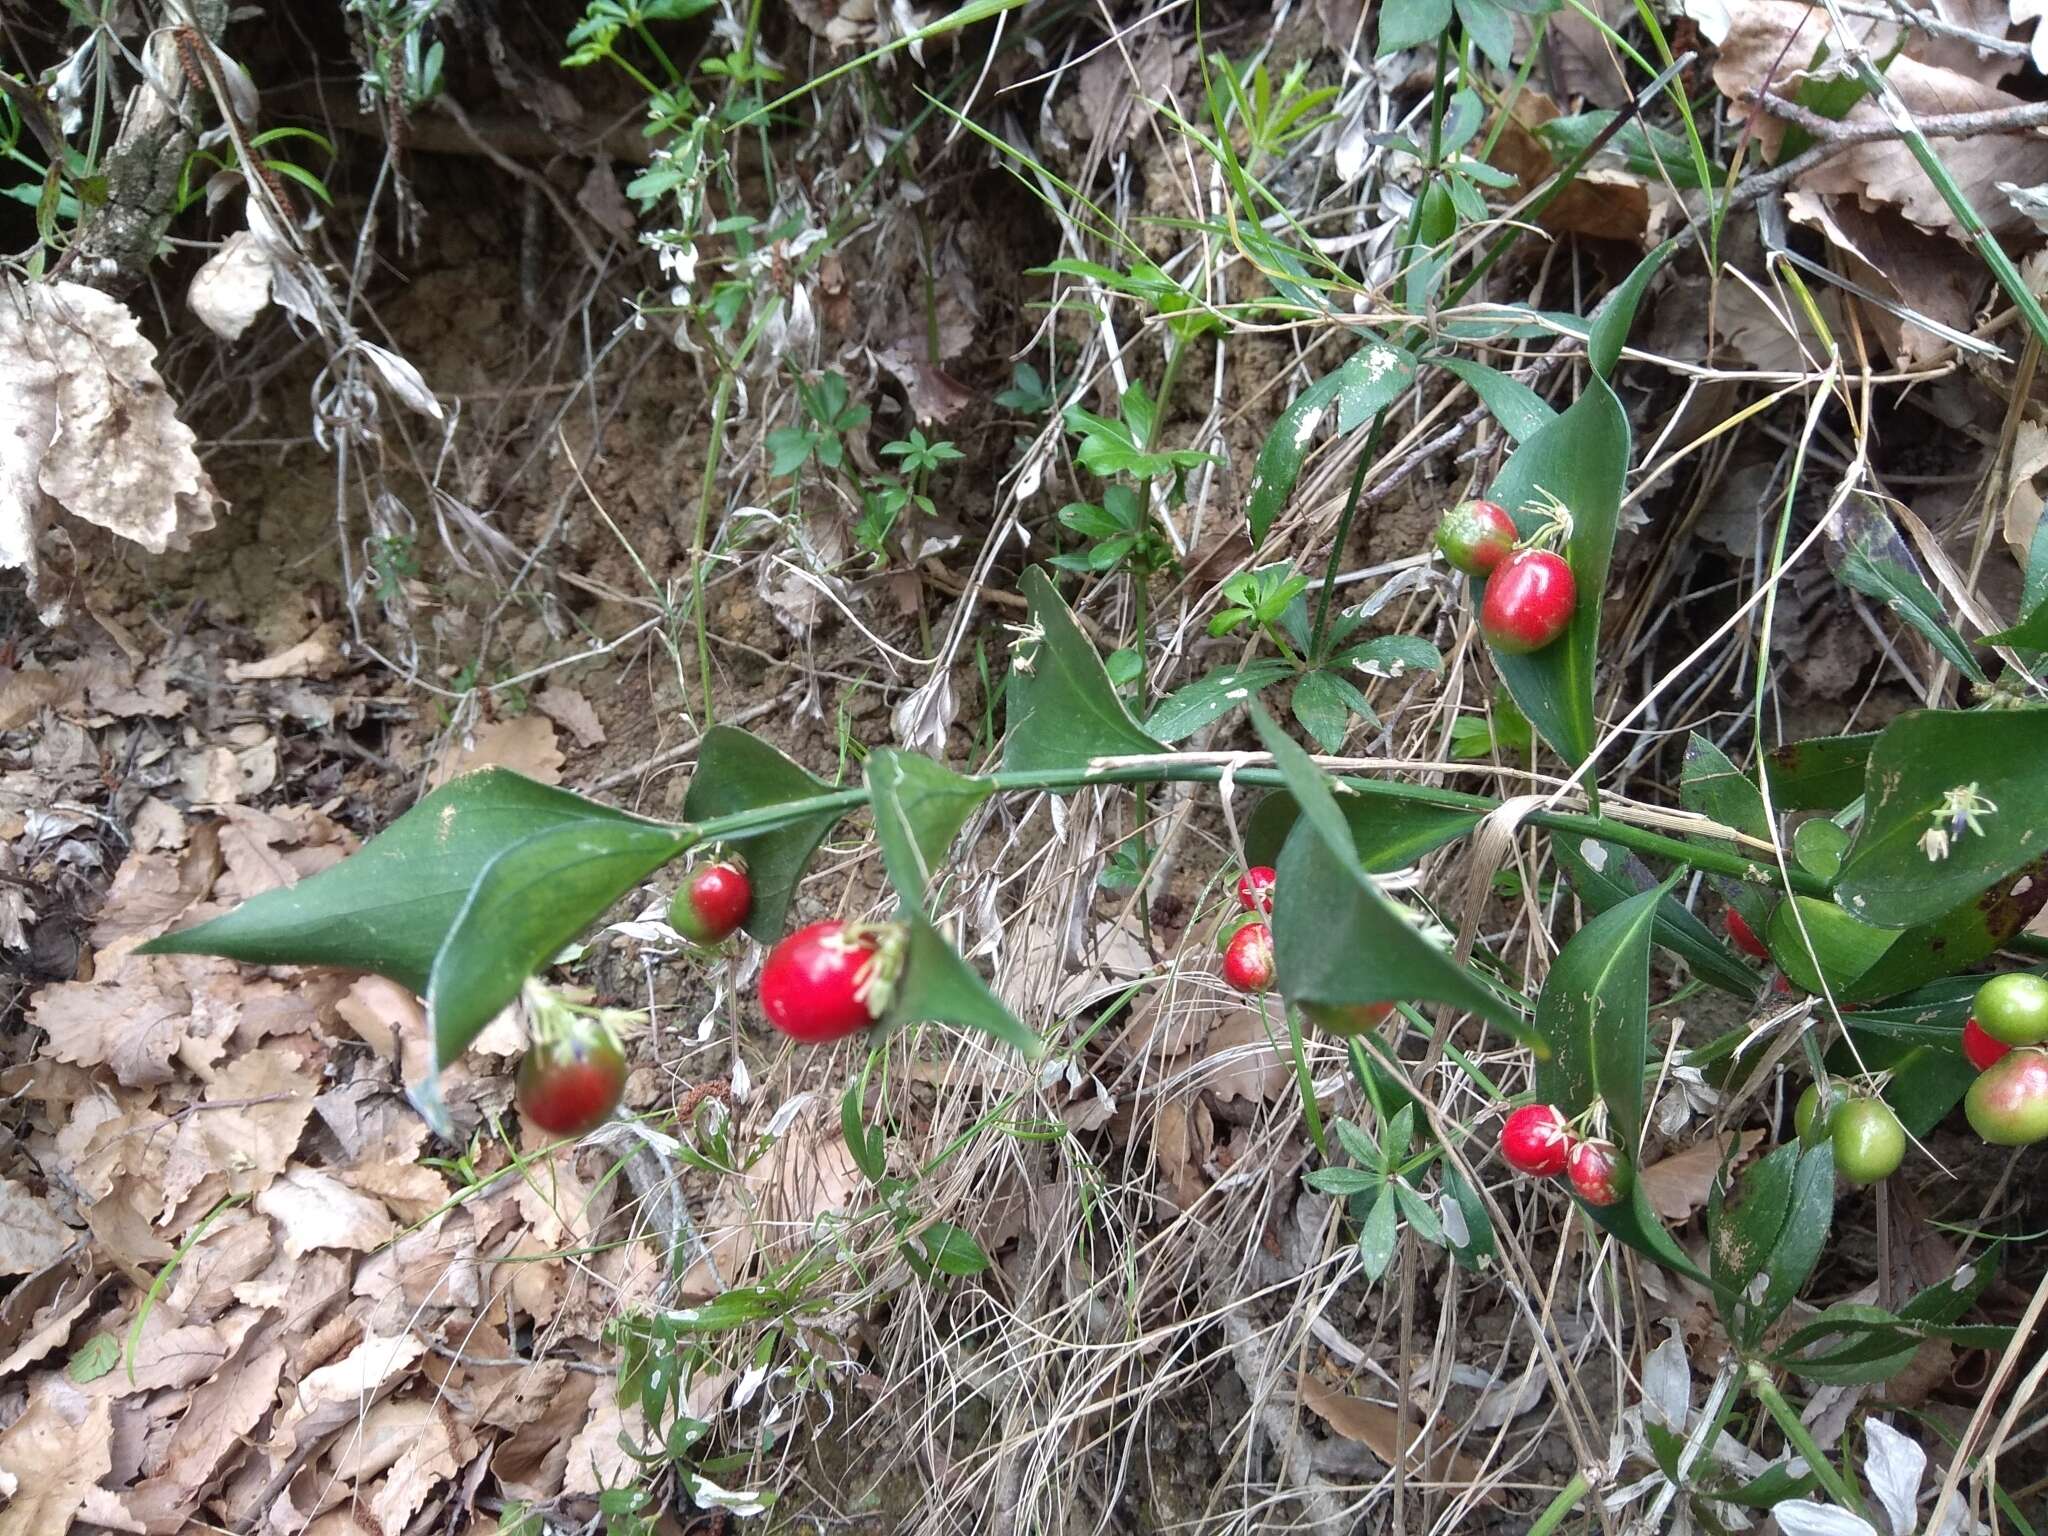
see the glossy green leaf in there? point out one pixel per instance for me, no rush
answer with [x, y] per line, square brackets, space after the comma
[1919, 758]
[1868, 556]
[1819, 846]
[1436, 224]
[388, 907]
[1063, 711]
[1409, 23]
[1371, 379]
[866, 1144]
[952, 1250]
[1581, 458]
[1520, 411]
[1621, 875]
[1595, 1013]
[1336, 939]
[920, 806]
[1491, 29]
[1287, 444]
[1744, 1223]
[938, 986]
[1323, 706]
[1809, 1211]
[1376, 1237]
[1806, 930]
[1979, 928]
[1475, 1245]
[1711, 785]
[1823, 774]
[736, 772]
[1388, 834]
[1647, 151]
[1388, 656]
[528, 903]
[1186, 710]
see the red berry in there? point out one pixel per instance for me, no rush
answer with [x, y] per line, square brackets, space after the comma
[1529, 601]
[1476, 536]
[571, 1078]
[1255, 889]
[830, 979]
[713, 902]
[1744, 937]
[1347, 1018]
[1248, 963]
[1980, 1048]
[2008, 1104]
[1535, 1139]
[1598, 1173]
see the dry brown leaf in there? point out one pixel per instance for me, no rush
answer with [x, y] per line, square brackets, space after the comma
[572, 712]
[525, 745]
[31, 1235]
[596, 1459]
[26, 693]
[48, 1328]
[1379, 1431]
[412, 1193]
[1605, 202]
[809, 1171]
[130, 1022]
[1241, 1059]
[242, 1134]
[337, 1394]
[2022, 513]
[222, 1413]
[87, 424]
[316, 1210]
[54, 1452]
[1678, 1185]
[154, 887]
[236, 1248]
[318, 655]
[530, 1464]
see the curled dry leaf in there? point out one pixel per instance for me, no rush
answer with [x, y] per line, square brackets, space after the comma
[1678, 1185]
[86, 425]
[31, 1235]
[54, 1453]
[1379, 1430]
[233, 288]
[525, 745]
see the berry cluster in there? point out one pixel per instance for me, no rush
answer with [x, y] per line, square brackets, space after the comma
[1248, 944]
[1536, 1139]
[1530, 590]
[2004, 1039]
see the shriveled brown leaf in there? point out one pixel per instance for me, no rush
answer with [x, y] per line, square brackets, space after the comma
[222, 1413]
[525, 745]
[572, 712]
[1604, 202]
[337, 1394]
[316, 1210]
[1379, 1430]
[596, 1459]
[130, 1022]
[318, 655]
[155, 887]
[54, 1452]
[48, 1327]
[1678, 1186]
[32, 1235]
[530, 1465]
[244, 1131]
[411, 1192]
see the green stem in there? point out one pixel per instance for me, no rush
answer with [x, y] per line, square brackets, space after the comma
[1800, 1440]
[1566, 1501]
[1304, 1079]
[1335, 565]
[1169, 768]
[720, 400]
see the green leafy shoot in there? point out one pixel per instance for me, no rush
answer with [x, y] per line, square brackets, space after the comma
[825, 416]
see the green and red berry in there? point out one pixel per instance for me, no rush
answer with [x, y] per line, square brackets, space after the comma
[1475, 536]
[823, 982]
[572, 1076]
[2008, 1104]
[714, 901]
[1255, 889]
[1598, 1173]
[1529, 602]
[1979, 1049]
[1536, 1139]
[2013, 1007]
[1248, 962]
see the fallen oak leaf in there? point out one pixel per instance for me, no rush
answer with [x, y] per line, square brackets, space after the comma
[1380, 1431]
[57, 1450]
[1678, 1186]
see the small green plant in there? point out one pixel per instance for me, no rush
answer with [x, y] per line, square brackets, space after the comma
[826, 415]
[1274, 120]
[1121, 445]
[1028, 394]
[885, 498]
[1121, 535]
